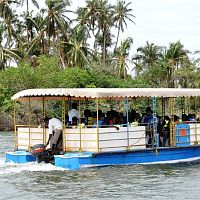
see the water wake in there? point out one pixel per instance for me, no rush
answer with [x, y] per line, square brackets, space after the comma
[10, 168]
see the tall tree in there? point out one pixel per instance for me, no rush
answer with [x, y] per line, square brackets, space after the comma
[105, 22]
[176, 56]
[122, 54]
[27, 15]
[122, 14]
[149, 54]
[79, 53]
[6, 13]
[56, 19]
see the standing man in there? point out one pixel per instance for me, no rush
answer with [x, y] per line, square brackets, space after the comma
[148, 122]
[73, 112]
[55, 133]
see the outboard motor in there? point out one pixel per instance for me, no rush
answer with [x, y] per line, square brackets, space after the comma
[43, 155]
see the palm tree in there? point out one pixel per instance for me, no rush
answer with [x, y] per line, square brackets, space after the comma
[78, 52]
[89, 15]
[122, 13]
[56, 18]
[8, 55]
[27, 15]
[122, 53]
[105, 22]
[7, 15]
[176, 56]
[38, 43]
[149, 54]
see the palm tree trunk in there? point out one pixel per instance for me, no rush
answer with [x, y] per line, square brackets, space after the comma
[27, 7]
[104, 46]
[117, 37]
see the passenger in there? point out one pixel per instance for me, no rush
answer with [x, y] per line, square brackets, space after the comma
[185, 118]
[74, 121]
[159, 125]
[66, 120]
[138, 117]
[191, 117]
[176, 119]
[94, 117]
[100, 119]
[102, 122]
[148, 122]
[55, 133]
[165, 131]
[109, 118]
[132, 116]
[88, 117]
[114, 117]
[73, 112]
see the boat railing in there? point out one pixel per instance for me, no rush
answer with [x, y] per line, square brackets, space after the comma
[102, 139]
[28, 135]
[109, 138]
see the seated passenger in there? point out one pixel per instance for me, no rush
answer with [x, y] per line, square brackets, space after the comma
[88, 117]
[191, 117]
[73, 112]
[100, 120]
[176, 119]
[132, 116]
[74, 121]
[185, 118]
[114, 117]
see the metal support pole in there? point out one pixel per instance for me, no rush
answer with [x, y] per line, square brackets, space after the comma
[79, 121]
[172, 121]
[43, 123]
[63, 125]
[29, 123]
[183, 105]
[163, 107]
[195, 106]
[97, 107]
[188, 104]
[15, 128]
[155, 136]
[127, 122]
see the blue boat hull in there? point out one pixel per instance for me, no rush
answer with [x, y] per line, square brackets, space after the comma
[75, 161]
[147, 156]
[87, 159]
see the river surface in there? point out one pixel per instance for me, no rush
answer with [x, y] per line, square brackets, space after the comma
[46, 182]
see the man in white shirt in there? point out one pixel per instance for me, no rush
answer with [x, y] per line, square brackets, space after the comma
[55, 133]
[73, 112]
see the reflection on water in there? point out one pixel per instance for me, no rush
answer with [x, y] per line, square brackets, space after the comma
[44, 181]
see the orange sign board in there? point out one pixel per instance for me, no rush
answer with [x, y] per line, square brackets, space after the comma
[183, 132]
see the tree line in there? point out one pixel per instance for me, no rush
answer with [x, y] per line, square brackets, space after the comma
[56, 46]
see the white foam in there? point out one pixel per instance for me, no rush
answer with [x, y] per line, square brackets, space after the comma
[10, 168]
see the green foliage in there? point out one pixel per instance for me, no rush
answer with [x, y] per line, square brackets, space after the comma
[6, 104]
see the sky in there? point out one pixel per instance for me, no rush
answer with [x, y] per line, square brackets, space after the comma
[161, 22]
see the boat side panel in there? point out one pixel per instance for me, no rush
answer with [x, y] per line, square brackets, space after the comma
[146, 156]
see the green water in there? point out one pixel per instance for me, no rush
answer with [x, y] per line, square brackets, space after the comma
[44, 181]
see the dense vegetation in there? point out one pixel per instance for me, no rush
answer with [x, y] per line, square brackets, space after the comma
[58, 47]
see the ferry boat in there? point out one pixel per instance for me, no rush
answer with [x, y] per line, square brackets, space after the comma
[97, 145]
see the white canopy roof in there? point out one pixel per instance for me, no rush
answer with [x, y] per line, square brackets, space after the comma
[58, 93]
